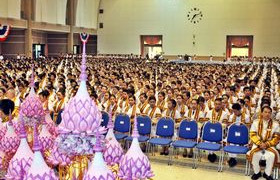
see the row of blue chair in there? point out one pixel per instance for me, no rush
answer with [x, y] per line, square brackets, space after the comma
[211, 138]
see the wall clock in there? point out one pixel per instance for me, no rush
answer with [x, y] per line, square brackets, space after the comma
[194, 15]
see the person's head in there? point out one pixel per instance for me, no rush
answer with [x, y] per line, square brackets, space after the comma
[247, 91]
[225, 98]
[146, 88]
[2, 92]
[179, 99]
[172, 104]
[161, 96]
[11, 93]
[198, 89]
[125, 94]
[7, 107]
[170, 93]
[232, 90]
[106, 95]
[60, 94]
[152, 101]
[267, 93]
[44, 96]
[131, 100]
[151, 92]
[143, 98]
[194, 104]
[207, 95]
[201, 100]
[115, 90]
[247, 100]
[236, 109]
[193, 92]
[176, 91]
[228, 91]
[186, 95]
[266, 112]
[104, 89]
[20, 87]
[113, 99]
[218, 104]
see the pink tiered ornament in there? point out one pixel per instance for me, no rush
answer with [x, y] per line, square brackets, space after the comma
[113, 150]
[32, 108]
[98, 169]
[10, 141]
[50, 124]
[135, 162]
[39, 170]
[81, 115]
[3, 130]
[58, 158]
[45, 138]
[21, 162]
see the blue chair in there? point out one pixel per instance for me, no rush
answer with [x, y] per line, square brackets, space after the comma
[105, 119]
[212, 136]
[144, 125]
[188, 133]
[237, 141]
[164, 131]
[122, 126]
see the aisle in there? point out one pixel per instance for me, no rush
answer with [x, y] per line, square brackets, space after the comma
[164, 172]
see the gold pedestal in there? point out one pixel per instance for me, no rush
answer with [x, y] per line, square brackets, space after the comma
[76, 170]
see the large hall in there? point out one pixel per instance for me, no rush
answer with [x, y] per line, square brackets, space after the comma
[139, 89]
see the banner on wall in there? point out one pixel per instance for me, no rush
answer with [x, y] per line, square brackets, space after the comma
[84, 37]
[4, 32]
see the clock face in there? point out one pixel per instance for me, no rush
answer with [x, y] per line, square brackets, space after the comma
[194, 15]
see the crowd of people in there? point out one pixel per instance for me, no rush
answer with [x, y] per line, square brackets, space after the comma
[225, 93]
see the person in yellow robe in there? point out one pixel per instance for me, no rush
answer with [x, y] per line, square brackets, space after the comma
[264, 134]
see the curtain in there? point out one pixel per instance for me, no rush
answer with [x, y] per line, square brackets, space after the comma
[149, 40]
[239, 41]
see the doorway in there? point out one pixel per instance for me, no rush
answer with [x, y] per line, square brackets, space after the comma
[151, 45]
[38, 50]
[239, 46]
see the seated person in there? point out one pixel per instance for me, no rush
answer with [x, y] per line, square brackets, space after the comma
[237, 117]
[264, 134]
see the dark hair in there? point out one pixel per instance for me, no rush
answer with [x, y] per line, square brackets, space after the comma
[162, 93]
[225, 95]
[45, 93]
[152, 98]
[218, 99]
[144, 94]
[62, 91]
[266, 107]
[241, 101]
[7, 106]
[247, 97]
[173, 102]
[236, 106]
[246, 88]
[200, 99]
[133, 97]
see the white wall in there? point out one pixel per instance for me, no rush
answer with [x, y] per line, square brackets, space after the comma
[87, 13]
[10, 8]
[51, 11]
[125, 20]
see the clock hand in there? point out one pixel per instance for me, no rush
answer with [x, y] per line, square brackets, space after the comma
[194, 16]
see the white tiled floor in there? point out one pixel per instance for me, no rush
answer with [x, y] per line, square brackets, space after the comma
[164, 172]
